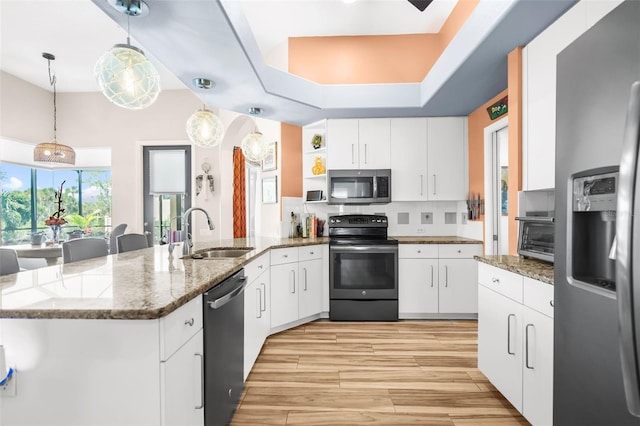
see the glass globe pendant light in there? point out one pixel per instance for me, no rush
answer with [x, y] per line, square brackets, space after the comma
[124, 74]
[254, 147]
[53, 152]
[204, 128]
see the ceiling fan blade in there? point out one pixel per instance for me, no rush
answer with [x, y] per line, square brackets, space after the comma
[421, 4]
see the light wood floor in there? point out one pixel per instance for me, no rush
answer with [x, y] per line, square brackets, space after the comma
[395, 373]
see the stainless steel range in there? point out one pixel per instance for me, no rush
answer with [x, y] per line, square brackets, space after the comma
[363, 269]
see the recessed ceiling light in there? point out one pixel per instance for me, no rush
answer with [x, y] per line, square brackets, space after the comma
[255, 111]
[203, 83]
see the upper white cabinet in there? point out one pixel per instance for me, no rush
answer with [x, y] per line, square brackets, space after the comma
[428, 158]
[446, 137]
[409, 159]
[539, 89]
[359, 143]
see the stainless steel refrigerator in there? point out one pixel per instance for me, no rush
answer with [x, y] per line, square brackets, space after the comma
[596, 327]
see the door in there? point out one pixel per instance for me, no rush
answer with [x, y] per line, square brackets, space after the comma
[496, 188]
[162, 203]
[418, 293]
[342, 144]
[445, 153]
[284, 294]
[374, 141]
[310, 295]
[458, 286]
[409, 159]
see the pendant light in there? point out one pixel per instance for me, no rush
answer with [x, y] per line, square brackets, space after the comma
[53, 152]
[253, 145]
[204, 128]
[124, 74]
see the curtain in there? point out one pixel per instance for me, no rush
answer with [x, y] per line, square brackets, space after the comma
[239, 195]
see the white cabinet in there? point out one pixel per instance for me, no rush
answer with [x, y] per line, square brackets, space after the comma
[257, 312]
[296, 284]
[539, 90]
[446, 137]
[358, 143]
[409, 159]
[437, 279]
[182, 378]
[314, 179]
[515, 340]
[428, 158]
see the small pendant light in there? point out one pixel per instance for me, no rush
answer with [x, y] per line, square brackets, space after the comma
[253, 145]
[204, 128]
[53, 152]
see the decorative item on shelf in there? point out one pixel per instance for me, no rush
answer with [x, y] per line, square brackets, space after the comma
[53, 152]
[270, 161]
[123, 73]
[475, 206]
[318, 166]
[316, 141]
[206, 178]
[56, 220]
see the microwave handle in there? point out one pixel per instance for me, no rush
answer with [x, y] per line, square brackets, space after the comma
[375, 187]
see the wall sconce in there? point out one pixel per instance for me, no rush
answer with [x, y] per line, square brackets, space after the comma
[124, 74]
[205, 178]
[53, 152]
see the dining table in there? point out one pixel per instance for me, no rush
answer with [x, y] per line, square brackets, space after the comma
[52, 254]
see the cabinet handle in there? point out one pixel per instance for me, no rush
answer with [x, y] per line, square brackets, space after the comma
[551, 303]
[446, 276]
[311, 253]
[365, 153]
[421, 184]
[526, 349]
[419, 251]
[431, 275]
[434, 184]
[259, 303]
[509, 334]
[200, 406]
[285, 255]
[353, 157]
[305, 278]
[495, 280]
[293, 281]
[189, 322]
[260, 266]
[263, 301]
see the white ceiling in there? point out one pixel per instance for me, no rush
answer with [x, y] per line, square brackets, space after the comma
[227, 41]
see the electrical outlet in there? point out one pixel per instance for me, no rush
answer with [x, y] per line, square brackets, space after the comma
[463, 218]
[426, 218]
[420, 231]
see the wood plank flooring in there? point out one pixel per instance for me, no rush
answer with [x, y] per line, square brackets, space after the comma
[395, 373]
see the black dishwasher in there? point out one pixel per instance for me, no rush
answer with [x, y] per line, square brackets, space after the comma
[223, 349]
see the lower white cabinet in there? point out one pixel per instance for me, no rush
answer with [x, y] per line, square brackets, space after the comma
[296, 284]
[515, 340]
[257, 313]
[182, 377]
[437, 279]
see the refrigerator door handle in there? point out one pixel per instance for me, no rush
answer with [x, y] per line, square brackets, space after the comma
[624, 250]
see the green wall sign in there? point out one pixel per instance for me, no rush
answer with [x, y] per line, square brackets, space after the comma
[499, 108]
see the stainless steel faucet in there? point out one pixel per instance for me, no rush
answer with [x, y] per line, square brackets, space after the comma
[188, 242]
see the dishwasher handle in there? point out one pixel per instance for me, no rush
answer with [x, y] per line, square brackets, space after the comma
[221, 301]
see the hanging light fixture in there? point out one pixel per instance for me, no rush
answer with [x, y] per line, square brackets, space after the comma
[204, 128]
[253, 145]
[124, 74]
[53, 152]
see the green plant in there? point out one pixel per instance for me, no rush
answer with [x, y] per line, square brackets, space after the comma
[316, 141]
[82, 222]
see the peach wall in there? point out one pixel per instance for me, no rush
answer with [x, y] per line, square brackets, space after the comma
[291, 173]
[514, 82]
[374, 59]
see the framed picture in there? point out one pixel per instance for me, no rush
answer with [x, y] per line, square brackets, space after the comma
[270, 162]
[269, 190]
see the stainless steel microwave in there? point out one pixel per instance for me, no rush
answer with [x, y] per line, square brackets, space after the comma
[359, 186]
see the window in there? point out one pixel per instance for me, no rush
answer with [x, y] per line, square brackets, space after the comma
[27, 199]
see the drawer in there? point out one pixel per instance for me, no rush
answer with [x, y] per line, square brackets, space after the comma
[257, 266]
[310, 252]
[417, 251]
[284, 255]
[179, 326]
[507, 283]
[538, 296]
[459, 251]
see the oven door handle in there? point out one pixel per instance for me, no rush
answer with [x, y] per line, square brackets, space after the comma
[365, 248]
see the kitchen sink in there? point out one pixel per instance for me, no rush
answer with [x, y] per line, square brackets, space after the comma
[217, 253]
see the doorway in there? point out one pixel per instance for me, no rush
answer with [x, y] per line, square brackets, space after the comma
[496, 139]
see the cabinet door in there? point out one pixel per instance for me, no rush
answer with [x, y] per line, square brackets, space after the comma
[310, 295]
[537, 376]
[500, 325]
[418, 286]
[409, 159]
[445, 158]
[342, 143]
[284, 294]
[254, 315]
[458, 286]
[374, 143]
[182, 378]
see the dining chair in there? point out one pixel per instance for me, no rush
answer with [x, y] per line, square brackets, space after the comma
[130, 242]
[115, 233]
[84, 248]
[8, 261]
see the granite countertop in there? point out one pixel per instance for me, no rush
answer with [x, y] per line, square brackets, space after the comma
[141, 284]
[425, 239]
[536, 269]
